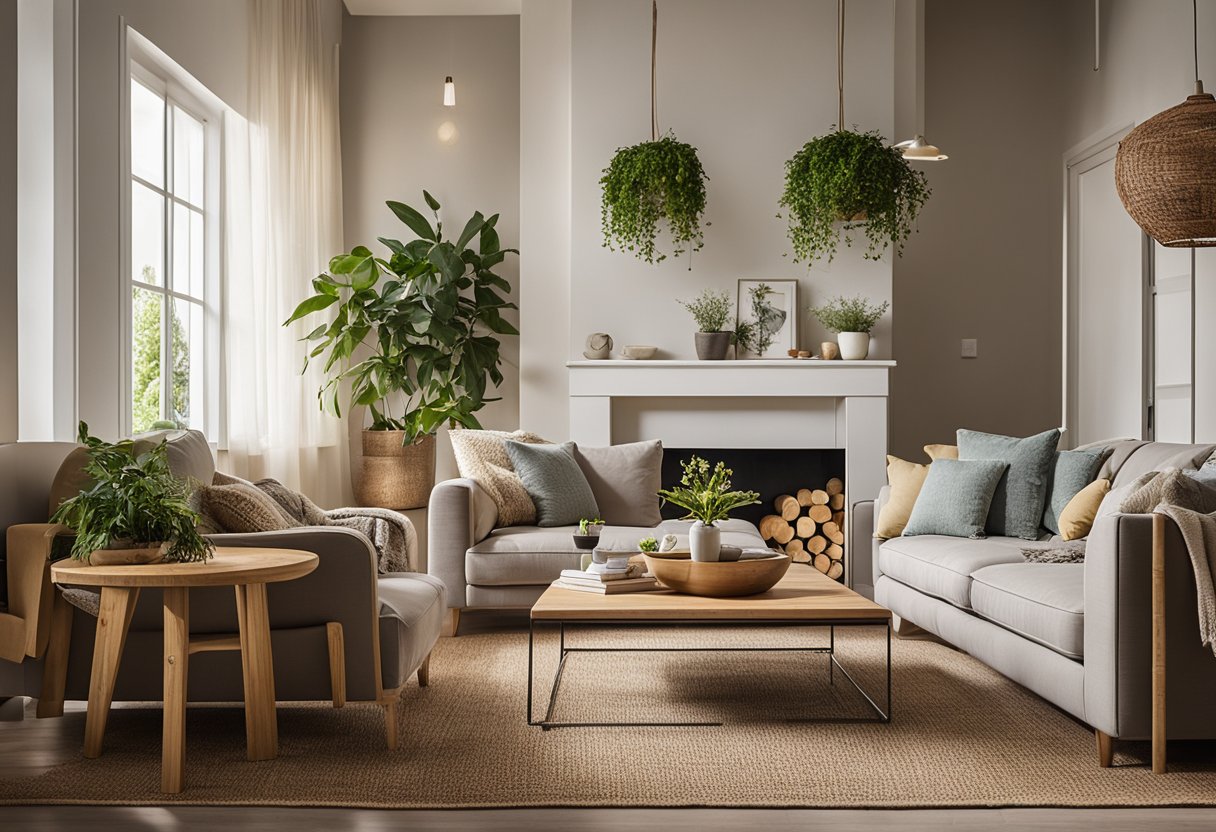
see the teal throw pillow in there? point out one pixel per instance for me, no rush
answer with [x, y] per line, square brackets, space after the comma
[1017, 505]
[1072, 471]
[955, 498]
[554, 481]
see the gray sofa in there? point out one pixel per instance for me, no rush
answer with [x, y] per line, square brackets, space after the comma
[387, 624]
[1079, 635]
[485, 567]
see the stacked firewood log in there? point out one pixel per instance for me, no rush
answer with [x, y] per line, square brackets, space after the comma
[809, 527]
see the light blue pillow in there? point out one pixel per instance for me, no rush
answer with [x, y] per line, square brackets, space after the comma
[955, 498]
[1072, 471]
[1017, 505]
[554, 481]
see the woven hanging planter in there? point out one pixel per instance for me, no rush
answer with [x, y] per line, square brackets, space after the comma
[1165, 172]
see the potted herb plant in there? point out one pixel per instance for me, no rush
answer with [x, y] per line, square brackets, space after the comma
[705, 493]
[135, 511]
[413, 337]
[588, 533]
[710, 310]
[845, 181]
[852, 318]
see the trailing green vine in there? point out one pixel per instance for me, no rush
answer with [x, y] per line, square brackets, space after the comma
[844, 181]
[651, 183]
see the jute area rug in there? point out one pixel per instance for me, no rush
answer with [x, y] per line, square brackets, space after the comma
[962, 735]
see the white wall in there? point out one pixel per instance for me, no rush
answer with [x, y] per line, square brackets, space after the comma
[986, 261]
[747, 84]
[8, 220]
[392, 109]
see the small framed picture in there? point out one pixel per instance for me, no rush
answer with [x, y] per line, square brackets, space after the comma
[768, 318]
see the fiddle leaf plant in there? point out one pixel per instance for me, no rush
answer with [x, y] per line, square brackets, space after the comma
[847, 181]
[416, 327]
[655, 182]
[134, 498]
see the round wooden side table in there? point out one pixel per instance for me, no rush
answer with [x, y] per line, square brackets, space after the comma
[248, 570]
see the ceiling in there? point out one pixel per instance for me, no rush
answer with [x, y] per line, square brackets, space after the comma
[432, 7]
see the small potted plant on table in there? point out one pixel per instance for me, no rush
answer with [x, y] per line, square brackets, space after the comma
[588, 536]
[135, 511]
[711, 310]
[852, 319]
[705, 493]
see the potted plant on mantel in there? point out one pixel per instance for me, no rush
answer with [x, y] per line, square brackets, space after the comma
[413, 336]
[705, 493]
[852, 319]
[710, 310]
[135, 510]
[845, 181]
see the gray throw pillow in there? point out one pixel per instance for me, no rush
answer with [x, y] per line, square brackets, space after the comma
[1073, 470]
[625, 480]
[554, 482]
[955, 498]
[1017, 505]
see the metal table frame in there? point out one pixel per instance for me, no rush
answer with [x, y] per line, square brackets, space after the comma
[547, 722]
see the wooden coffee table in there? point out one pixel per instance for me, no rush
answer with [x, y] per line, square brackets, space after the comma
[246, 569]
[803, 598]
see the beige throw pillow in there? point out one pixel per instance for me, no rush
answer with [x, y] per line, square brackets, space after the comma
[942, 451]
[1077, 517]
[241, 508]
[481, 455]
[905, 479]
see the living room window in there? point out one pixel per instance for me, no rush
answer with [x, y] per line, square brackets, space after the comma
[172, 319]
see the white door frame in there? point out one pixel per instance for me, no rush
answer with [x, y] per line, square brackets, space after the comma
[1096, 150]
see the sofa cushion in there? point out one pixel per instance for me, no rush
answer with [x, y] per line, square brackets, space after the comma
[1078, 516]
[941, 566]
[243, 509]
[1044, 602]
[1017, 505]
[905, 480]
[554, 481]
[481, 456]
[955, 497]
[1071, 472]
[625, 480]
[412, 609]
[1159, 456]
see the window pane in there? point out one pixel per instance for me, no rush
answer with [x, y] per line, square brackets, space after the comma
[147, 234]
[147, 134]
[187, 157]
[146, 335]
[187, 364]
[187, 251]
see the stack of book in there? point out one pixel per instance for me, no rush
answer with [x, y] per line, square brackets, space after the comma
[614, 576]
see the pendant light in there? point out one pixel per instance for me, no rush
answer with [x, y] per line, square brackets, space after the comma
[1165, 170]
[917, 149]
[449, 92]
[920, 150]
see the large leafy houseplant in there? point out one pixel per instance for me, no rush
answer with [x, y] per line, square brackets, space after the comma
[416, 327]
[134, 501]
[655, 182]
[847, 181]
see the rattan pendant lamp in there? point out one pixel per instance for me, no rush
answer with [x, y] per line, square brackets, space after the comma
[1165, 170]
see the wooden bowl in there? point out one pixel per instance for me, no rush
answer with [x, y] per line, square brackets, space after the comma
[724, 579]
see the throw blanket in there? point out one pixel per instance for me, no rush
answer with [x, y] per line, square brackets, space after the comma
[391, 534]
[1192, 505]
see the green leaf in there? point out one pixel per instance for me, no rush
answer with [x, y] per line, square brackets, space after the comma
[430, 201]
[365, 274]
[394, 246]
[314, 304]
[475, 224]
[414, 220]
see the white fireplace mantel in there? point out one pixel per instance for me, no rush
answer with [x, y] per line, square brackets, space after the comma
[779, 403]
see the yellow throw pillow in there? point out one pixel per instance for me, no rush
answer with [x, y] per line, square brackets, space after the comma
[942, 451]
[905, 479]
[1077, 518]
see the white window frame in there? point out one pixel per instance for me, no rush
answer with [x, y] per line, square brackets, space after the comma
[148, 65]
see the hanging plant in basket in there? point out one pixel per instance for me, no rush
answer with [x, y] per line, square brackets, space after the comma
[659, 181]
[847, 181]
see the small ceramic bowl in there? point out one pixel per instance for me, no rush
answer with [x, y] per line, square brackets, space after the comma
[586, 541]
[639, 352]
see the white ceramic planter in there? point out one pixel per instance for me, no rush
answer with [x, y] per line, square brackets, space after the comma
[854, 346]
[705, 542]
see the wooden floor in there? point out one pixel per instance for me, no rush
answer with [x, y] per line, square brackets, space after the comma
[33, 746]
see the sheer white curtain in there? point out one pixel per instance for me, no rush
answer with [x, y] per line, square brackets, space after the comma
[283, 196]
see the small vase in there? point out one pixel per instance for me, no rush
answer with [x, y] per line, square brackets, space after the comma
[712, 346]
[705, 542]
[854, 346]
[828, 351]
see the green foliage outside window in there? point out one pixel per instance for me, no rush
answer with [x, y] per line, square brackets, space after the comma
[146, 384]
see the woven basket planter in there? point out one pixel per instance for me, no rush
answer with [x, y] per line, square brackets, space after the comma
[1165, 172]
[394, 475]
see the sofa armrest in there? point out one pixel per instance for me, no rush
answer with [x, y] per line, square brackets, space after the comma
[26, 626]
[460, 513]
[863, 560]
[1118, 632]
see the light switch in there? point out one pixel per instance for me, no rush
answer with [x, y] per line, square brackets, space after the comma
[971, 348]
